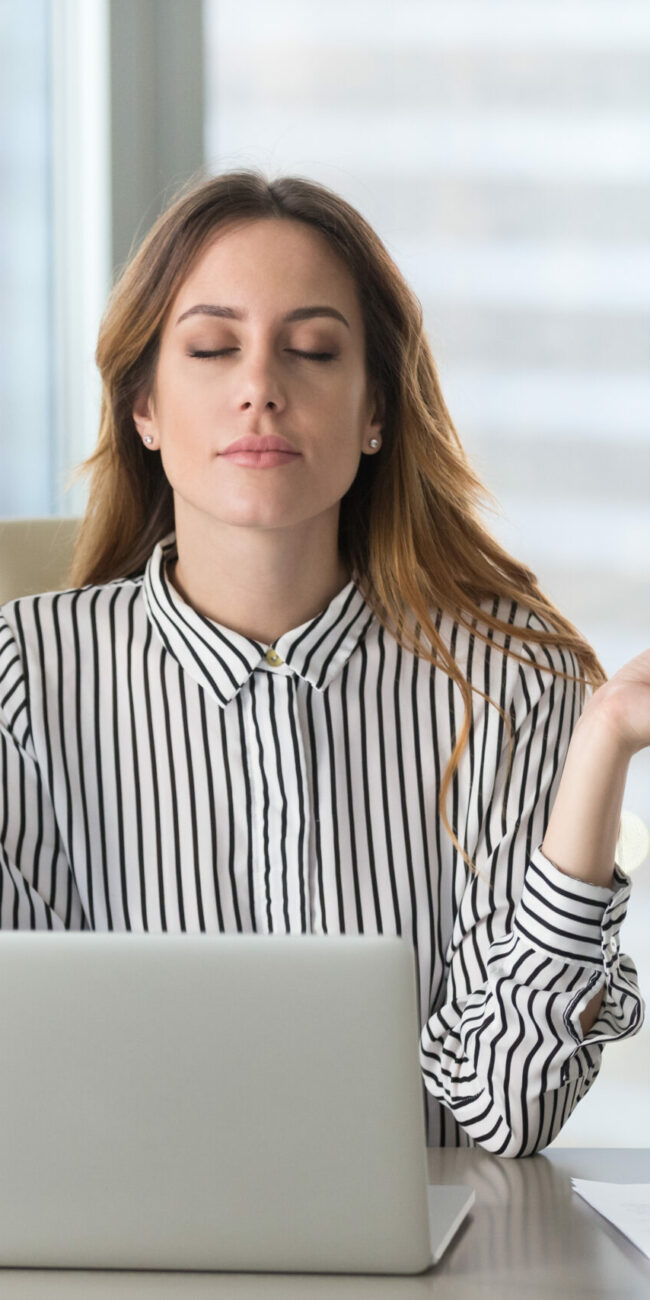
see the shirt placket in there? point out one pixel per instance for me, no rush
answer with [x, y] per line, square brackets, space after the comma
[280, 816]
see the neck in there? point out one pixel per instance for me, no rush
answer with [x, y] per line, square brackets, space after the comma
[258, 582]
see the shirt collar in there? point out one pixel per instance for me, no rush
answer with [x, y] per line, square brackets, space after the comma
[222, 660]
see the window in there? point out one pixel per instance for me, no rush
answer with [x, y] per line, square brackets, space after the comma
[26, 423]
[54, 246]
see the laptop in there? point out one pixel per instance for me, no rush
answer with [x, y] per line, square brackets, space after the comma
[215, 1102]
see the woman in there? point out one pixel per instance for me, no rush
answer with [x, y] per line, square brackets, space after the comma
[245, 712]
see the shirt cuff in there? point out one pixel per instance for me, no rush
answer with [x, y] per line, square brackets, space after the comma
[577, 921]
[571, 918]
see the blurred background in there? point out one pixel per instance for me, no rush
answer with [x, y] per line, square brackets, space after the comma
[500, 148]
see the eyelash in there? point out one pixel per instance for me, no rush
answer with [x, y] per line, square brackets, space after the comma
[312, 356]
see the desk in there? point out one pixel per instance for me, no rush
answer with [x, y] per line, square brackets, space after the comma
[529, 1236]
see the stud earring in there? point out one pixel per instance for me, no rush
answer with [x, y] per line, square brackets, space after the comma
[374, 442]
[148, 439]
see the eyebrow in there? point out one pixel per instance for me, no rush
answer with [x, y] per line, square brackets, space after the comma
[299, 313]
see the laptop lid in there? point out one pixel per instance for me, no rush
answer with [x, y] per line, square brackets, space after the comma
[241, 1102]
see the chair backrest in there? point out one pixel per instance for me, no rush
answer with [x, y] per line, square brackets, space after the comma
[35, 555]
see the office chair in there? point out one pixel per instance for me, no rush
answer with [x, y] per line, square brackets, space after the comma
[35, 555]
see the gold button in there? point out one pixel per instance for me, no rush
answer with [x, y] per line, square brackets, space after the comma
[272, 657]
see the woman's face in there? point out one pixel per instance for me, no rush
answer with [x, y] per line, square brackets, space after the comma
[261, 272]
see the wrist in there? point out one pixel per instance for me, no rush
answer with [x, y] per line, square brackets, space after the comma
[597, 726]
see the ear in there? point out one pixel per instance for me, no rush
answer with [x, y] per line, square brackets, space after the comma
[143, 413]
[377, 410]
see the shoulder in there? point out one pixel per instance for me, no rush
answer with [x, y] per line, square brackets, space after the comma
[24, 605]
[472, 639]
[515, 664]
[535, 663]
[28, 619]
[528, 633]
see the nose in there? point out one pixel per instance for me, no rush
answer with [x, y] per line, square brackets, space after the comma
[259, 405]
[260, 386]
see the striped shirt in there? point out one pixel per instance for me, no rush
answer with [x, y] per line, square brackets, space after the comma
[162, 772]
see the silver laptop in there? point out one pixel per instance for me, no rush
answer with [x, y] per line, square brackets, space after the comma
[237, 1102]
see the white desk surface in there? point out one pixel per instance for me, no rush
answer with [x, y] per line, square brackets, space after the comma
[528, 1237]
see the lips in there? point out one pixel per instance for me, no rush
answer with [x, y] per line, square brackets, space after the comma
[262, 459]
[260, 444]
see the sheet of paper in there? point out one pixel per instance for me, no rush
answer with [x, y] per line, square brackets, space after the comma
[626, 1205]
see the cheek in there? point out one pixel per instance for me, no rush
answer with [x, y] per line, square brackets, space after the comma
[185, 451]
[185, 414]
[335, 471]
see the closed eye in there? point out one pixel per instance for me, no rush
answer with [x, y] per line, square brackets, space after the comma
[311, 356]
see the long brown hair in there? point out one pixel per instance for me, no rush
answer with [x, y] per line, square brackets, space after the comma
[410, 529]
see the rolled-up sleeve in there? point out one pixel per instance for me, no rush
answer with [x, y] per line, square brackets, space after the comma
[37, 889]
[531, 946]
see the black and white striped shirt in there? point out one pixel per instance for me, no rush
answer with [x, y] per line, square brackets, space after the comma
[161, 772]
